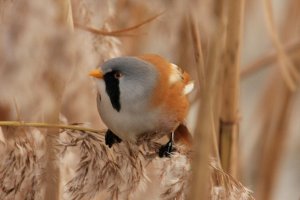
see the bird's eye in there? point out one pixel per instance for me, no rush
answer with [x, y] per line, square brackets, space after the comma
[117, 75]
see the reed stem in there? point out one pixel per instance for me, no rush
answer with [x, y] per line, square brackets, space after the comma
[230, 98]
[203, 131]
[47, 125]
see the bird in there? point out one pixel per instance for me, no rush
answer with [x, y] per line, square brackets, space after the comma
[138, 95]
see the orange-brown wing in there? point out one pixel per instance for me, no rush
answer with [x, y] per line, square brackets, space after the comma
[170, 88]
[170, 75]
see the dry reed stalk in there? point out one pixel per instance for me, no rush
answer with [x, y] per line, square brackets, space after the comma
[230, 96]
[289, 72]
[275, 128]
[48, 125]
[52, 177]
[208, 82]
[214, 70]
[202, 136]
[266, 60]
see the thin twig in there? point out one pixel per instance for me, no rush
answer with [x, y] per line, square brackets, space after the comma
[121, 32]
[48, 125]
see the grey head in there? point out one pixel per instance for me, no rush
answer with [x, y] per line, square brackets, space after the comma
[129, 82]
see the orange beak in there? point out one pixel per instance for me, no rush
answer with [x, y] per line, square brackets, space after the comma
[97, 73]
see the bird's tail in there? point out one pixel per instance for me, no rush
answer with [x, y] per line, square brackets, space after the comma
[183, 136]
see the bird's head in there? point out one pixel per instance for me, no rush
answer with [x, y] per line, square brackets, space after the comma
[126, 81]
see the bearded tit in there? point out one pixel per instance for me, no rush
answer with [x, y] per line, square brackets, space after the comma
[142, 95]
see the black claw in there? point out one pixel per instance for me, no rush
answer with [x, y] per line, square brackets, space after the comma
[111, 138]
[166, 150]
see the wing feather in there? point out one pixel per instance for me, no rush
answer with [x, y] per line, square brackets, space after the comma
[177, 74]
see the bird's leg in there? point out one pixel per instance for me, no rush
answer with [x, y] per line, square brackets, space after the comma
[111, 138]
[167, 149]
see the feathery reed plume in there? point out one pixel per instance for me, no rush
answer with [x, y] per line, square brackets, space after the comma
[22, 164]
[121, 171]
[118, 171]
[230, 93]
[175, 175]
[176, 179]
[224, 186]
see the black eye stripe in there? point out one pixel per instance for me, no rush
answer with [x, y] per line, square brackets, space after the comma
[112, 89]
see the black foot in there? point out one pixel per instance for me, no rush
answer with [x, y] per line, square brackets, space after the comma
[166, 150]
[111, 138]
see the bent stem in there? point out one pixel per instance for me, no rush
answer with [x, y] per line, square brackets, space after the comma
[48, 125]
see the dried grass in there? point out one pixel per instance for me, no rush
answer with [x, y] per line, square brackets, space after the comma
[119, 172]
[22, 164]
[224, 186]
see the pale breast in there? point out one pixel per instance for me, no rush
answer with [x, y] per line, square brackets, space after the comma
[128, 124]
